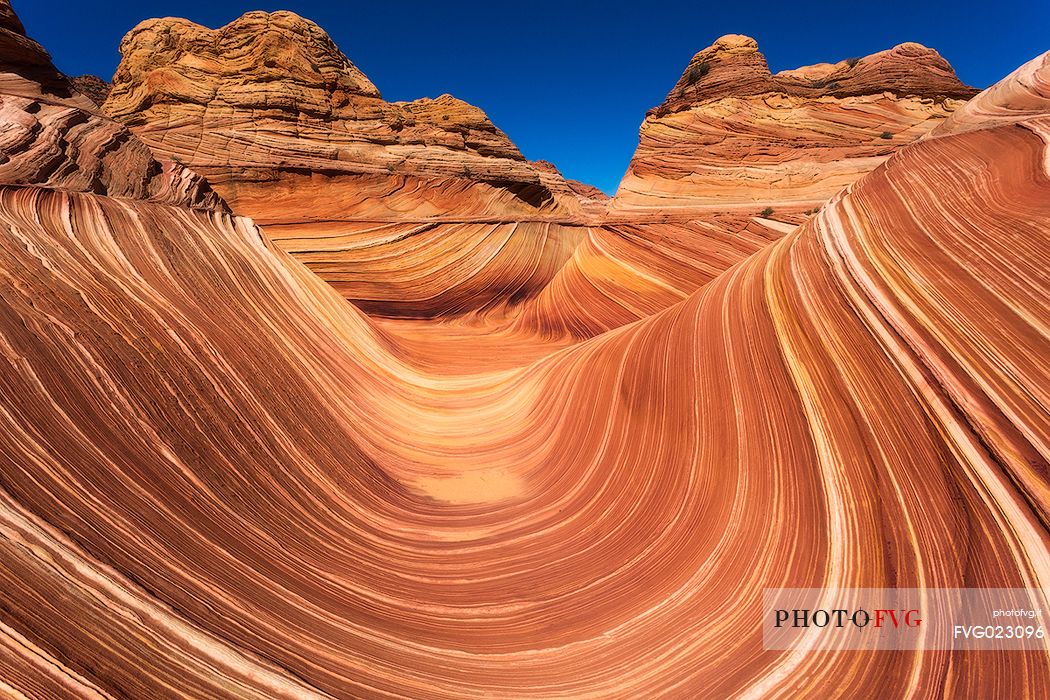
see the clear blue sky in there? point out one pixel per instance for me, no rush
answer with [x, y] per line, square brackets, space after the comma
[570, 81]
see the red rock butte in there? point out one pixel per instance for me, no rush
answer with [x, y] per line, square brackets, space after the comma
[304, 393]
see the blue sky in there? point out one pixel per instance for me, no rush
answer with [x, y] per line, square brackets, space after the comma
[570, 81]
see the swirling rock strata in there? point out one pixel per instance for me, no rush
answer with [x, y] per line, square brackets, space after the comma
[1023, 94]
[91, 86]
[730, 132]
[219, 479]
[54, 136]
[624, 272]
[284, 509]
[293, 134]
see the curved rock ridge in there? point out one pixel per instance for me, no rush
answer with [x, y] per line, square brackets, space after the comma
[219, 479]
[91, 86]
[732, 133]
[291, 133]
[397, 243]
[427, 270]
[623, 272]
[53, 136]
[1023, 94]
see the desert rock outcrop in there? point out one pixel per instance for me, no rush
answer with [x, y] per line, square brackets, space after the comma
[55, 136]
[290, 132]
[270, 96]
[730, 132]
[1023, 94]
[91, 86]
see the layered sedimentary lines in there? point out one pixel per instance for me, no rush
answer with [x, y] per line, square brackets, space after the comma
[416, 210]
[92, 87]
[271, 92]
[220, 479]
[388, 268]
[290, 132]
[1021, 95]
[195, 450]
[730, 132]
[620, 273]
[55, 137]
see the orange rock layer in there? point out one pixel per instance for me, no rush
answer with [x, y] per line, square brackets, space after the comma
[54, 136]
[732, 133]
[356, 187]
[290, 132]
[219, 479]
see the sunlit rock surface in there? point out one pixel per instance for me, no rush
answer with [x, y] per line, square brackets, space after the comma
[220, 479]
[91, 86]
[1023, 94]
[730, 132]
[290, 132]
[410, 210]
[52, 135]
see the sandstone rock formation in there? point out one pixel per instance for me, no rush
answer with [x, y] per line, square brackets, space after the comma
[627, 271]
[24, 60]
[91, 86]
[307, 168]
[54, 136]
[734, 159]
[730, 132]
[219, 479]
[270, 100]
[582, 189]
[371, 195]
[1023, 94]
[290, 132]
